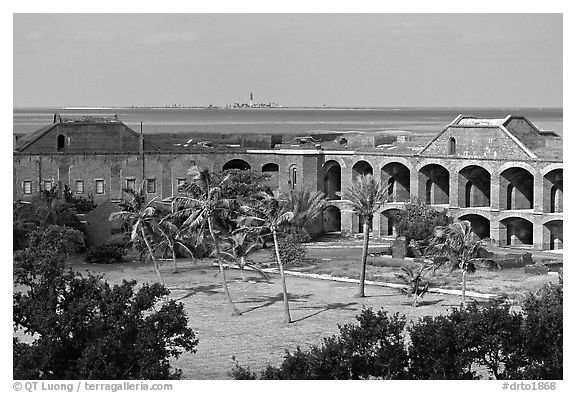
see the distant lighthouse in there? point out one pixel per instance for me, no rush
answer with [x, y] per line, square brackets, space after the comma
[251, 99]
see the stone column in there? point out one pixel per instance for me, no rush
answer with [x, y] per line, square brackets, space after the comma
[497, 232]
[347, 221]
[540, 235]
[538, 193]
[495, 192]
[414, 184]
[454, 190]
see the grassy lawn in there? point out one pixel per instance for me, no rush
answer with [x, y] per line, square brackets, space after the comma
[345, 262]
[259, 337]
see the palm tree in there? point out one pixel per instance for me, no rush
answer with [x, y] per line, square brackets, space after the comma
[270, 213]
[458, 245]
[366, 195]
[173, 237]
[202, 207]
[238, 249]
[306, 206]
[141, 218]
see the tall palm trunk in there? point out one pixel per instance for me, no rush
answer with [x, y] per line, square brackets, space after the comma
[221, 266]
[242, 264]
[156, 267]
[287, 318]
[364, 259]
[174, 259]
[463, 304]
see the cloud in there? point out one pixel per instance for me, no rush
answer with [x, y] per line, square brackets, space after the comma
[92, 36]
[169, 38]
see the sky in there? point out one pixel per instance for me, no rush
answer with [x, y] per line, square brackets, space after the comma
[375, 60]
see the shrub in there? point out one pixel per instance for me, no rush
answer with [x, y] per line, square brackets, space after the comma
[542, 334]
[292, 252]
[436, 352]
[105, 253]
[82, 328]
[418, 221]
[454, 346]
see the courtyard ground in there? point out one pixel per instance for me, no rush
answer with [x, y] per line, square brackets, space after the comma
[260, 337]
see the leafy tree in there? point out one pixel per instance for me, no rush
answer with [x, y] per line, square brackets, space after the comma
[82, 328]
[203, 207]
[270, 213]
[418, 220]
[542, 345]
[458, 245]
[366, 195]
[140, 218]
[81, 204]
[437, 349]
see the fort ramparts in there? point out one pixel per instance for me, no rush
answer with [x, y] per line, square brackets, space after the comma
[503, 175]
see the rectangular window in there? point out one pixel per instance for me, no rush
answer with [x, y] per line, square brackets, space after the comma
[47, 185]
[151, 186]
[27, 187]
[131, 184]
[99, 186]
[180, 182]
[79, 186]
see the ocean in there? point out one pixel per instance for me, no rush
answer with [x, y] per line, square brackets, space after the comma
[284, 120]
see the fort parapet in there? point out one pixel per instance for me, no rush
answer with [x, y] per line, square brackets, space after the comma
[503, 175]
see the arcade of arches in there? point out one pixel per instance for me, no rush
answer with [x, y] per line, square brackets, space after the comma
[515, 189]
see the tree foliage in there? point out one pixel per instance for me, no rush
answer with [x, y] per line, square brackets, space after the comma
[418, 221]
[83, 328]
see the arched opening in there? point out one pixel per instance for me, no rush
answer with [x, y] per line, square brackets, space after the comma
[271, 170]
[451, 146]
[519, 231]
[236, 164]
[332, 180]
[388, 222]
[270, 167]
[553, 191]
[480, 225]
[434, 182]
[474, 186]
[60, 143]
[517, 189]
[331, 219]
[397, 177]
[361, 168]
[553, 235]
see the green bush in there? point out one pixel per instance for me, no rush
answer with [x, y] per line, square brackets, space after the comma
[82, 328]
[464, 344]
[418, 221]
[105, 253]
[292, 251]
